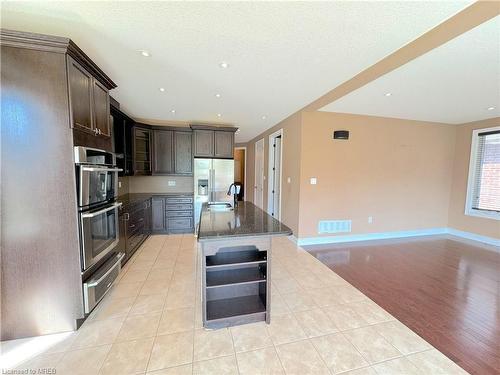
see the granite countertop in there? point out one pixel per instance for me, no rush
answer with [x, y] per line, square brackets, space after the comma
[133, 198]
[245, 220]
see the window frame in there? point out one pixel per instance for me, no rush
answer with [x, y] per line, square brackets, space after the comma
[469, 211]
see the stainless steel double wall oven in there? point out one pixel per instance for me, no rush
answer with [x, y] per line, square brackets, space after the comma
[97, 189]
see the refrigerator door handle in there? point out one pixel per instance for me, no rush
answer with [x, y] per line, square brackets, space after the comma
[210, 185]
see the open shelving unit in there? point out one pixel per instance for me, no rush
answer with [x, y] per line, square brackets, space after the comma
[235, 286]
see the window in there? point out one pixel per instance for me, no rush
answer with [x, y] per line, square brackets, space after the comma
[483, 191]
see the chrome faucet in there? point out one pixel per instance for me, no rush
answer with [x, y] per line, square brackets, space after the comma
[234, 190]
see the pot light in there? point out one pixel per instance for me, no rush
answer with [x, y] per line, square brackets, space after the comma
[161, 89]
[145, 53]
[219, 115]
[217, 95]
[490, 108]
[264, 117]
[388, 94]
[224, 65]
[172, 111]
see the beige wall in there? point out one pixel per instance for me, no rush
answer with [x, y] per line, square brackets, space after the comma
[397, 171]
[291, 168]
[457, 217]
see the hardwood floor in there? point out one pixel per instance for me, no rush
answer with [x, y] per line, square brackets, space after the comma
[445, 289]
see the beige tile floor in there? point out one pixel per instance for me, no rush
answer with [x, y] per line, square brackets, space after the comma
[150, 323]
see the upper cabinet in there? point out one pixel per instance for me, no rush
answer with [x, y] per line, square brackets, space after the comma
[163, 150]
[213, 142]
[89, 101]
[80, 94]
[183, 146]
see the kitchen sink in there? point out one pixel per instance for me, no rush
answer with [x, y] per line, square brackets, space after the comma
[220, 207]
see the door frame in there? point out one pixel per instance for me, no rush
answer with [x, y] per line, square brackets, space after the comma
[270, 178]
[260, 141]
[245, 175]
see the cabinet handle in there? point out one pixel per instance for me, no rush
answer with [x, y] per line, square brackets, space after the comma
[99, 131]
[126, 216]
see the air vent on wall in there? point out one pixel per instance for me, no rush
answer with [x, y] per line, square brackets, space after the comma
[334, 226]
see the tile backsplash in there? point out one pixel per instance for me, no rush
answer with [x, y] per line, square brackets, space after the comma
[160, 184]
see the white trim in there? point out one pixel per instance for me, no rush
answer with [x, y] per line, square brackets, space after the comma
[400, 234]
[469, 211]
[475, 237]
[270, 175]
[245, 187]
[369, 236]
[255, 172]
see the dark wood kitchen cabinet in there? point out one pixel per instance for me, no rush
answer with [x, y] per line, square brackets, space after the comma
[89, 101]
[158, 214]
[122, 127]
[163, 151]
[172, 152]
[183, 160]
[173, 214]
[213, 141]
[142, 151]
[224, 144]
[135, 226]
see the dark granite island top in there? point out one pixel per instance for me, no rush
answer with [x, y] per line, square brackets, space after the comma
[245, 220]
[235, 247]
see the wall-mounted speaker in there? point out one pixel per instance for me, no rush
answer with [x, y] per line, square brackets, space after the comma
[341, 134]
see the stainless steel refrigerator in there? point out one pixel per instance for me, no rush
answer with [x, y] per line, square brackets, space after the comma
[212, 178]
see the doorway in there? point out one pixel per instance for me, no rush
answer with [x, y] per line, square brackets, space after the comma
[240, 170]
[275, 172]
[259, 174]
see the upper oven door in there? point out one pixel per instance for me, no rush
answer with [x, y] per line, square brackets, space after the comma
[97, 185]
[99, 234]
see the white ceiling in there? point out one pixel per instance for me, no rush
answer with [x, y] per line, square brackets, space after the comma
[454, 83]
[282, 55]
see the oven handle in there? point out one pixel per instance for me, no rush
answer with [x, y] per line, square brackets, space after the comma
[95, 283]
[101, 169]
[96, 213]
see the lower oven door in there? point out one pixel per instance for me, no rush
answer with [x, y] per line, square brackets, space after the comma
[100, 282]
[99, 234]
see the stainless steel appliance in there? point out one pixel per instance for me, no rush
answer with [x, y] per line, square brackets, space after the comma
[97, 177]
[212, 178]
[97, 190]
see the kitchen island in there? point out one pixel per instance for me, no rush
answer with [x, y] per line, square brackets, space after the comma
[235, 245]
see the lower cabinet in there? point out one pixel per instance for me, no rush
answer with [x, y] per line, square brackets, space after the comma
[173, 214]
[135, 226]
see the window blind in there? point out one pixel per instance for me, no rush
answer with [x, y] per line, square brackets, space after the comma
[486, 183]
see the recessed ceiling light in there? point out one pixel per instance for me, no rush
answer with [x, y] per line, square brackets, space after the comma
[217, 95]
[388, 93]
[490, 108]
[224, 65]
[145, 53]
[173, 111]
[219, 115]
[264, 117]
[161, 89]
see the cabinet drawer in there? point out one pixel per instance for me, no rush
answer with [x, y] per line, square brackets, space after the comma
[179, 213]
[174, 200]
[179, 223]
[179, 207]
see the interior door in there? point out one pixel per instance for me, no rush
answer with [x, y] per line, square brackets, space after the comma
[259, 174]
[276, 192]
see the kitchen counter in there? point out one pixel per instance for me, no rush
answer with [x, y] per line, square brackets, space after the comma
[235, 249]
[245, 220]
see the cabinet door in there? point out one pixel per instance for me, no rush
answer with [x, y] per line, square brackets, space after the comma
[158, 214]
[101, 109]
[183, 152]
[142, 151]
[80, 95]
[203, 143]
[224, 144]
[163, 150]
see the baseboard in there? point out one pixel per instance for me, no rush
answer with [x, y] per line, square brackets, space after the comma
[476, 237]
[370, 236]
[399, 234]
